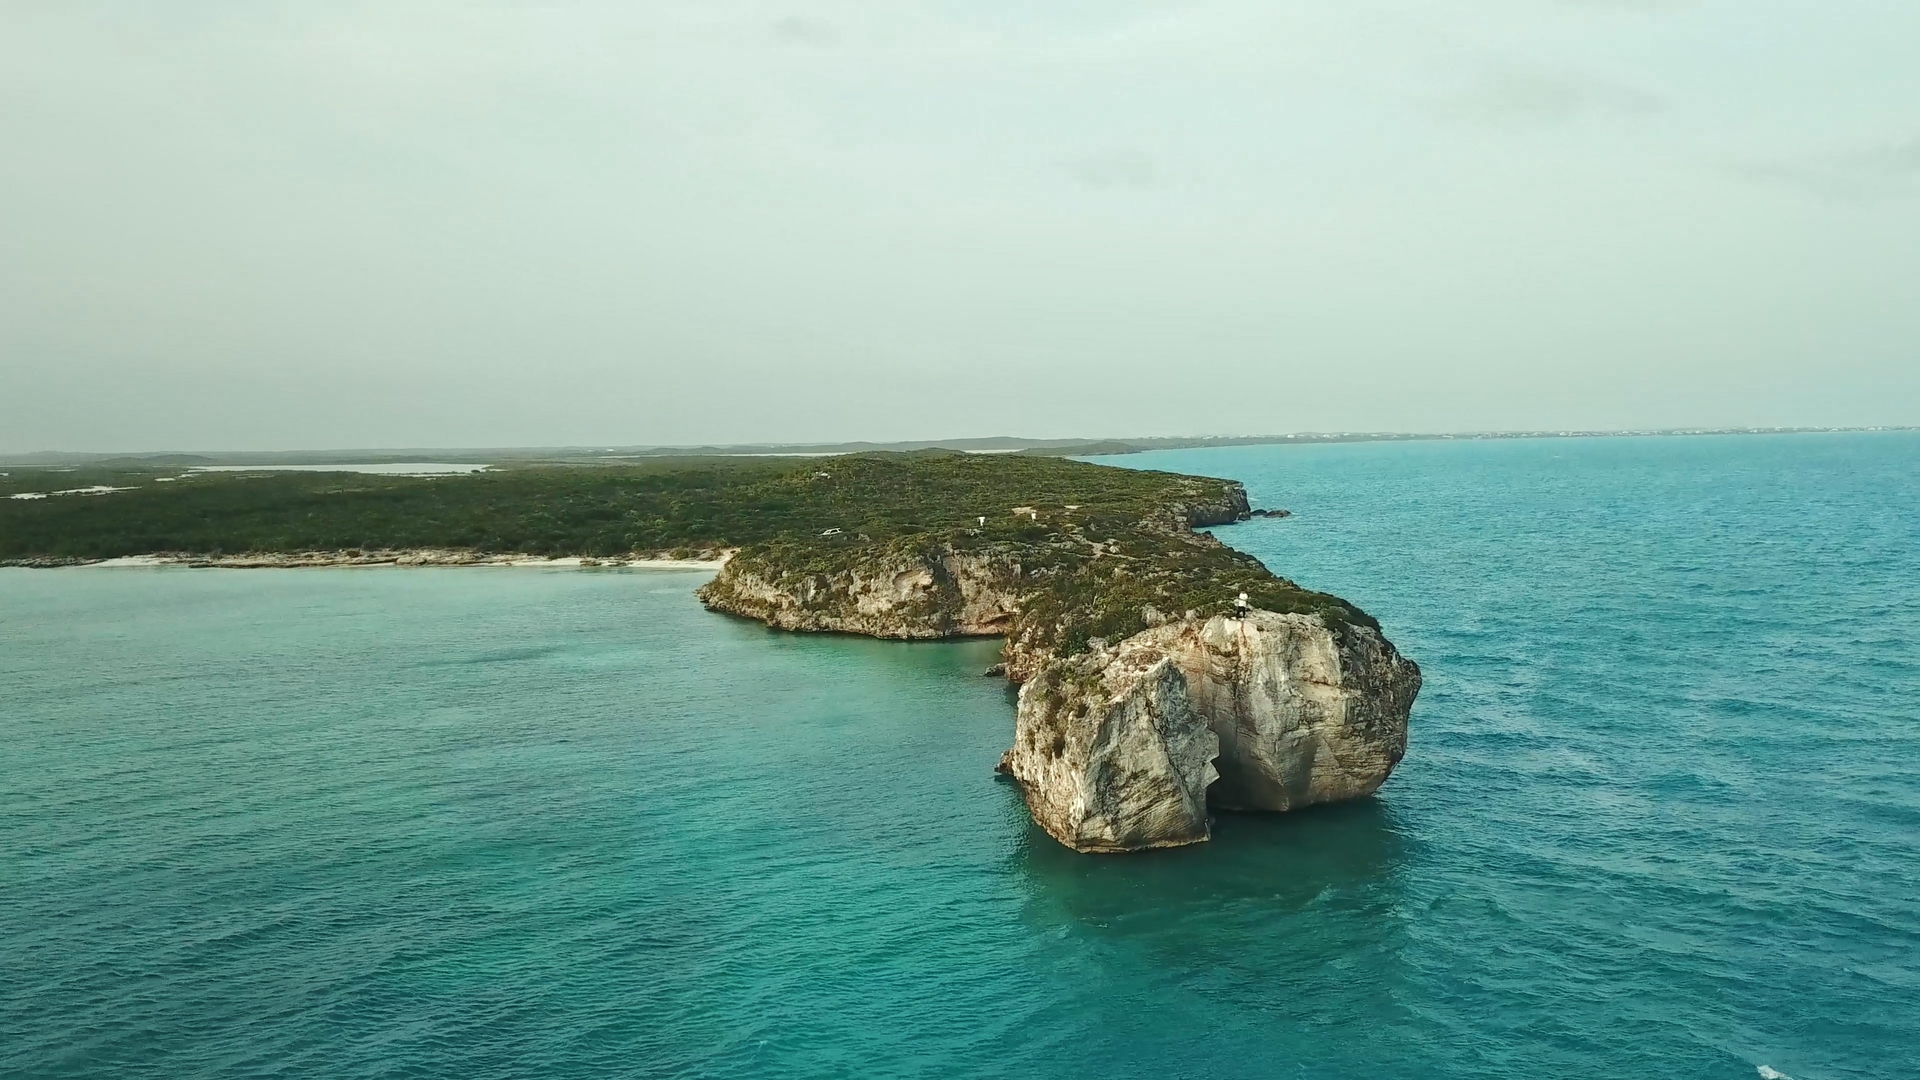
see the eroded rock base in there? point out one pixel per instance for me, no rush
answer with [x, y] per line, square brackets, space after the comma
[1115, 749]
[1111, 754]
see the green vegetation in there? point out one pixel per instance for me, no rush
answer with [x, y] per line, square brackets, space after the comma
[1113, 597]
[600, 511]
[1104, 548]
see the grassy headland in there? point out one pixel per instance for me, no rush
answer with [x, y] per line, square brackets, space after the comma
[1105, 547]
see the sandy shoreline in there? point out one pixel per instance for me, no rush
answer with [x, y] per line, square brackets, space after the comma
[417, 557]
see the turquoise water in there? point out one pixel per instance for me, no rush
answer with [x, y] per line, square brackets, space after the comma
[1660, 816]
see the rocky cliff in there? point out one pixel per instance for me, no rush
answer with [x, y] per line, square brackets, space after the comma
[1145, 698]
[1111, 753]
[1124, 747]
[909, 592]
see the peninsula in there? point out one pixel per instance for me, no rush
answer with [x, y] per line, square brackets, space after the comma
[1161, 672]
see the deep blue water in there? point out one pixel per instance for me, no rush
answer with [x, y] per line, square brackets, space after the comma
[1660, 816]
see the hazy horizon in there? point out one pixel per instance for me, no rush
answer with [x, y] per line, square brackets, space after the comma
[972, 444]
[277, 226]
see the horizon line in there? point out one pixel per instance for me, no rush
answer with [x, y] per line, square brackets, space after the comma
[1094, 446]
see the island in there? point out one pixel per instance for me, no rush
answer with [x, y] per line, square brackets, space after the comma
[1162, 674]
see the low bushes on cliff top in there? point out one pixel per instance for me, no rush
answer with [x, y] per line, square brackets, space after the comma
[691, 504]
[1071, 589]
[1101, 547]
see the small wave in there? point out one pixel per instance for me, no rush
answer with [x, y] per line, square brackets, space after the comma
[1768, 1072]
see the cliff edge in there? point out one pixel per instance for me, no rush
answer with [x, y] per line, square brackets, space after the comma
[1147, 696]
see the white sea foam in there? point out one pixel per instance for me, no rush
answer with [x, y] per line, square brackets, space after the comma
[1768, 1072]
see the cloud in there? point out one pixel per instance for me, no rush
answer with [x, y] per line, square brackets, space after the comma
[1902, 160]
[1536, 97]
[1875, 174]
[805, 31]
[1118, 169]
[208, 201]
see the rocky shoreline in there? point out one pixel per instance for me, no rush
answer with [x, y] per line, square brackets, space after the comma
[1125, 741]
[1163, 675]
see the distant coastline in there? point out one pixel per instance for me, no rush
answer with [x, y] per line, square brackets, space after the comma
[1002, 444]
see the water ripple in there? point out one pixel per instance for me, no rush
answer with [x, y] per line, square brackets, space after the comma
[1659, 816]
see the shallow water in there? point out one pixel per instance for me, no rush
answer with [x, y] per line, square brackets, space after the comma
[1660, 816]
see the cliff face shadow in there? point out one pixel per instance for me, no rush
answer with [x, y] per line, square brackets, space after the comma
[1332, 866]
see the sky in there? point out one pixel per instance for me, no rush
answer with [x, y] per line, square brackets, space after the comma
[255, 224]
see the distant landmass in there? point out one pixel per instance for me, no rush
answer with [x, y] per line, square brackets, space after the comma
[998, 444]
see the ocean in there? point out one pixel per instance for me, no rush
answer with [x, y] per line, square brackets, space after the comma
[1659, 817]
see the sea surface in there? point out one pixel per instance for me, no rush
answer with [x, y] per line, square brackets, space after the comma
[1660, 816]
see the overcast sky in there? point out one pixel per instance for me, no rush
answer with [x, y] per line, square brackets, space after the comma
[255, 224]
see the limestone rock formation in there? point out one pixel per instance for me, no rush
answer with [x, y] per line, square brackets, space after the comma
[1111, 754]
[1143, 703]
[935, 592]
[1305, 713]
[1298, 712]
